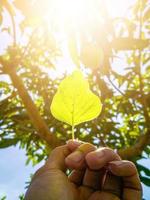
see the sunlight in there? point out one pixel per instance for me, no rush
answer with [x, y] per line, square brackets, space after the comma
[71, 16]
[78, 13]
[70, 12]
[119, 8]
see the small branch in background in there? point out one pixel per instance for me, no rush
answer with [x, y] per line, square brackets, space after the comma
[97, 132]
[115, 86]
[29, 42]
[14, 30]
[10, 10]
[102, 142]
[137, 149]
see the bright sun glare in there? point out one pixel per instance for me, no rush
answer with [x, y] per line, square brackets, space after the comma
[80, 15]
[77, 11]
[76, 15]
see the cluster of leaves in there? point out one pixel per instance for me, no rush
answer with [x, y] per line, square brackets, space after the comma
[125, 96]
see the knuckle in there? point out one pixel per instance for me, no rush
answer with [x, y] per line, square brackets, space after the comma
[108, 150]
[110, 153]
[131, 165]
[57, 150]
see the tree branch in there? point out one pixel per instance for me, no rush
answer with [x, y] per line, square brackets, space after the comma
[10, 10]
[137, 149]
[38, 122]
[128, 43]
[117, 89]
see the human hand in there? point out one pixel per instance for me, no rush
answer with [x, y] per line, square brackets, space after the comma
[51, 182]
[109, 177]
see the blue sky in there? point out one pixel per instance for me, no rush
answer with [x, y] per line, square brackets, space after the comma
[14, 173]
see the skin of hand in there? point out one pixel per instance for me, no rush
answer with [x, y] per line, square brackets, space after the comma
[97, 174]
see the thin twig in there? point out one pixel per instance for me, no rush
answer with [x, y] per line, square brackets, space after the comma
[13, 26]
[115, 86]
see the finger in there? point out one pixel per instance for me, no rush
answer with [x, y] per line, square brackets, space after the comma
[76, 160]
[56, 160]
[93, 179]
[132, 186]
[100, 195]
[112, 184]
[99, 158]
[76, 176]
[57, 157]
[73, 144]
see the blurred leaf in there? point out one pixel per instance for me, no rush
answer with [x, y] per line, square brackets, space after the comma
[3, 198]
[144, 169]
[145, 180]
[146, 16]
[8, 142]
[91, 55]
[6, 30]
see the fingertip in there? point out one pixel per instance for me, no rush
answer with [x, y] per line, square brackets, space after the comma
[76, 159]
[122, 168]
[73, 144]
[94, 160]
[57, 157]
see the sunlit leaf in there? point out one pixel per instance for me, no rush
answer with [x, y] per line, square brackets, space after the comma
[145, 180]
[74, 102]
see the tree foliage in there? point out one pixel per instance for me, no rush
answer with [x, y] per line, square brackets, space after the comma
[27, 86]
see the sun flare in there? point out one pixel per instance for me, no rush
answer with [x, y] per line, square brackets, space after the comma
[74, 20]
[74, 17]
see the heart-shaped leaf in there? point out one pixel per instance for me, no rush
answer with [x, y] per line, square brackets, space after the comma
[74, 102]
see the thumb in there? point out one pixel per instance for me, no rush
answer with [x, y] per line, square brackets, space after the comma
[55, 161]
[57, 157]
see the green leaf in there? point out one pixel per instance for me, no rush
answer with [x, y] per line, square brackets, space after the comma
[8, 142]
[74, 102]
[145, 180]
[144, 169]
[3, 198]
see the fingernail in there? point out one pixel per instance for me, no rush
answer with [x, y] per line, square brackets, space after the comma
[76, 156]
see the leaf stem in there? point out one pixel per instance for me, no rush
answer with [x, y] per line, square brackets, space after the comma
[73, 135]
